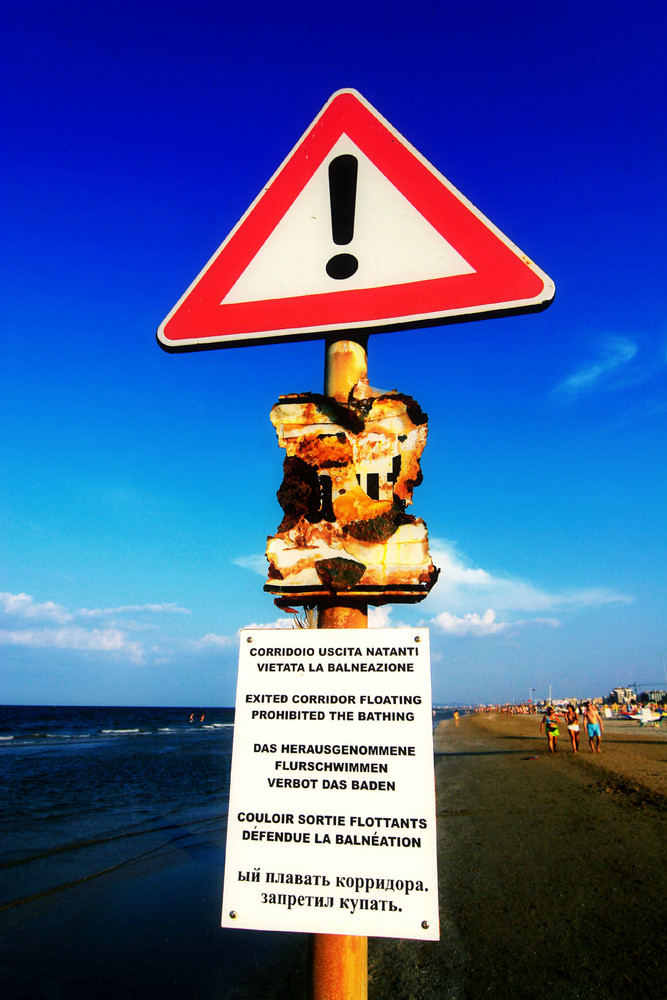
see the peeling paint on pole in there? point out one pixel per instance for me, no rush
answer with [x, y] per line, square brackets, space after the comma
[349, 475]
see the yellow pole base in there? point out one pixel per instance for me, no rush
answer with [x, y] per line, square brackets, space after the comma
[339, 966]
[346, 362]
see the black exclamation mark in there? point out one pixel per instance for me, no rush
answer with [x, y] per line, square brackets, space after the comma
[343, 196]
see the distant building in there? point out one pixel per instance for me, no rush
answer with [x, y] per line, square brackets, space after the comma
[622, 695]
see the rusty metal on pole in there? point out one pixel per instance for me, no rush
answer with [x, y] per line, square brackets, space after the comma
[339, 962]
[339, 967]
[346, 362]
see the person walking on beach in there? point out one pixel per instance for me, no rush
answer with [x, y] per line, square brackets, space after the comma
[572, 722]
[456, 717]
[594, 726]
[550, 720]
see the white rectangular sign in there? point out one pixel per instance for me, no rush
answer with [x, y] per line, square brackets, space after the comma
[331, 824]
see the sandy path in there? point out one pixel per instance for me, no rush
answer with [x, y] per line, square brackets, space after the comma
[553, 869]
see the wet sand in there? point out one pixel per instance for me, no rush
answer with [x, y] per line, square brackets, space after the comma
[553, 868]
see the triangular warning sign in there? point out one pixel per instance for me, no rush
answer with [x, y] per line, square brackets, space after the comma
[355, 230]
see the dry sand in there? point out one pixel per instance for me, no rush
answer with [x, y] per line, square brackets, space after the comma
[553, 874]
[553, 871]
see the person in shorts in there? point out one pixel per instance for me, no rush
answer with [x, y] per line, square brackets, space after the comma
[572, 723]
[594, 727]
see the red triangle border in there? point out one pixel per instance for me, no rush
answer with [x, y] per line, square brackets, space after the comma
[504, 279]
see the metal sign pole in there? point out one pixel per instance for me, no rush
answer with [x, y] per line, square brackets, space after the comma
[339, 962]
[346, 362]
[350, 470]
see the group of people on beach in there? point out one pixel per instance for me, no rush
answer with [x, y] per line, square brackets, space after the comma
[591, 718]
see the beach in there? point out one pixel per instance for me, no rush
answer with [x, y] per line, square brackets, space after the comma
[551, 878]
[553, 875]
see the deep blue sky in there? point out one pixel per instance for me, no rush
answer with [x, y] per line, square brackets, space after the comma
[138, 488]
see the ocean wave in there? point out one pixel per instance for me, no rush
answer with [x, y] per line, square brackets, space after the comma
[49, 727]
[175, 732]
[65, 736]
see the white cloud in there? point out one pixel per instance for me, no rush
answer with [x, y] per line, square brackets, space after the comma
[24, 606]
[381, 618]
[616, 352]
[470, 623]
[21, 611]
[468, 600]
[377, 618]
[73, 637]
[462, 588]
[278, 623]
[256, 564]
[475, 624]
[214, 640]
[618, 364]
[157, 609]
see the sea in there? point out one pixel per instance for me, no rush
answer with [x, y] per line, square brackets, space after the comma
[117, 816]
[95, 788]
[112, 830]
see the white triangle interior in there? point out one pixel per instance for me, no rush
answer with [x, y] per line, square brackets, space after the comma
[393, 242]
